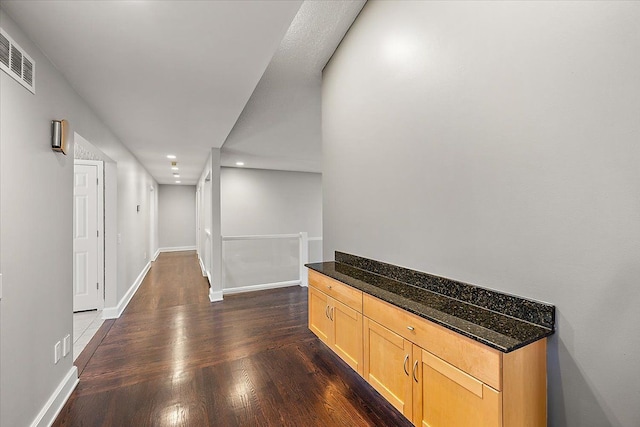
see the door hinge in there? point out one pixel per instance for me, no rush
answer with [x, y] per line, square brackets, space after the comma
[97, 233]
[97, 285]
[97, 181]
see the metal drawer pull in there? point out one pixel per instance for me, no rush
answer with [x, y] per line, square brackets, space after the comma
[415, 368]
[326, 311]
[329, 286]
[411, 328]
[406, 359]
[331, 313]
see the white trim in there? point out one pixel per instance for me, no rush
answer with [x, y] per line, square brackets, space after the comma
[54, 405]
[303, 258]
[215, 296]
[261, 237]
[155, 256]
[115, 312]
[260, 287]
[314, 239]
[177, 249]
[204, 273]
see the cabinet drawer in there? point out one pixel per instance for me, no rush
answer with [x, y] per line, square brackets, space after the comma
[337, 290]
[453, 398]
[478, 360]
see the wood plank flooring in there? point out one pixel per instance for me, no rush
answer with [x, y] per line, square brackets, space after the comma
[175, 359]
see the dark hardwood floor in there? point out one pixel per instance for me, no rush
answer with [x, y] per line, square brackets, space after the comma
[175, 359]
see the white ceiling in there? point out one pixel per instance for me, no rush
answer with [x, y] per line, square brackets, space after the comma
[174, 76]
[280, 127]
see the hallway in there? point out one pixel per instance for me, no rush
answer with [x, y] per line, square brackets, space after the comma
[175, 359]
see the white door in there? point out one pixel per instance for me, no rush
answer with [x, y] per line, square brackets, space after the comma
[85, 238]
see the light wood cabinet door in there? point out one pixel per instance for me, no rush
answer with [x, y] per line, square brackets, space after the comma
[319, 321]
[445, 396]
[347, 334]
[387, 365]
[338, 326]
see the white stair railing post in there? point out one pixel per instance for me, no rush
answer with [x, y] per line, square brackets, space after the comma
[304, 258]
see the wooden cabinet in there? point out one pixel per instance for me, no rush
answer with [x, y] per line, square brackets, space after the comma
[347, 334]
[319, 321]
[432, 375]
[427, 390]
[468, 355]
[448, 397]
[336, 323]
[387, 365]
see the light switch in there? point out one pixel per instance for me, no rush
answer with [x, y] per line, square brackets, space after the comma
[66, 345]
[57, 353]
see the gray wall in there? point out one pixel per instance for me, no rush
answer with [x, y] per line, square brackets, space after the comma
[497, 143]
[256, 201]
[35, 225]
[177, 215]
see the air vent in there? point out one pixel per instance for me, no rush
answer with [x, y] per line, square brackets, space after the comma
[15, 62]
[27, 71]
[5, 48]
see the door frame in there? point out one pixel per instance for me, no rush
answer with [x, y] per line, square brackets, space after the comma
[153, 202]
[100, 226]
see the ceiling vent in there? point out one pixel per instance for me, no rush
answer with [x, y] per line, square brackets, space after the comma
[15, 62]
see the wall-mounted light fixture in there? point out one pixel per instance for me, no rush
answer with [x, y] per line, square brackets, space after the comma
[59, 136]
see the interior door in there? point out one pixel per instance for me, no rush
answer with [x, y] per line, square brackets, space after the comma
[85, 237]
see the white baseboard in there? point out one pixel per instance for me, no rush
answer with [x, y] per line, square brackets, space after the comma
[56, 402]
[115, 312]
[204, 273]
[260, 287]
[215, 296]
[177, 249]
[155, 256]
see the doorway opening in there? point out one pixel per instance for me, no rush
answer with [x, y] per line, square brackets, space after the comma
[88, 251]
[94, 240]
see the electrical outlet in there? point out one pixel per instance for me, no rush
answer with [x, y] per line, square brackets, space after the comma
[57, 353]
[66, 345]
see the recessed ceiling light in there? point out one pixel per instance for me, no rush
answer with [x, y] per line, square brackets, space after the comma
[239, 163]
[174, 168]
[178, 182]
[171, 156]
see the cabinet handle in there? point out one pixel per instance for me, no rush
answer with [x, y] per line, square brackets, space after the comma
[326, 312]
[404, 365]
[411, 328]
[415, 368]
[329, 286]
[331, 313]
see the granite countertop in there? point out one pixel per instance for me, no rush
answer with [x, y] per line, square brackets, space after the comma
[499, 331]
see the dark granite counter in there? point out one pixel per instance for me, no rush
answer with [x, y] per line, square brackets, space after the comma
[504, 332]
